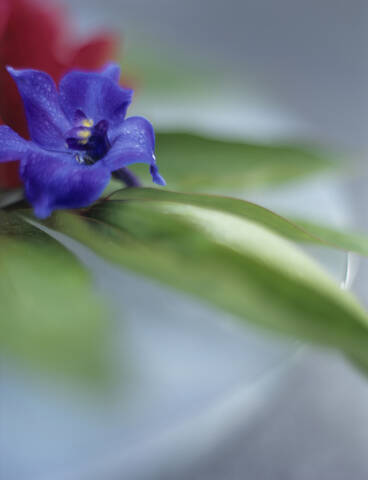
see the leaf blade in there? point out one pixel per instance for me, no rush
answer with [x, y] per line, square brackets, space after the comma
[50, 317]
[298, 230]
[228, 261]
[191, 162]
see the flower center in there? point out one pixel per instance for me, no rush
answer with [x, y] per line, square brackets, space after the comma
[89, 139]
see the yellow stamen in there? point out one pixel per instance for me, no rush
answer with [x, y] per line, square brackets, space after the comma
[87, 122]
[84, 134]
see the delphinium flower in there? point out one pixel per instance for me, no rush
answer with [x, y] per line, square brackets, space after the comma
[37, 34]
[79, 136]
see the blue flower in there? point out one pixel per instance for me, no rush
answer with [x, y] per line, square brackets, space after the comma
[79, 136]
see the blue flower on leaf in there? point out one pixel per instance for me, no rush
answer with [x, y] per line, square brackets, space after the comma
[79, 136]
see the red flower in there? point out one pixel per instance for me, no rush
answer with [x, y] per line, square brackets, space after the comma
[35, 34]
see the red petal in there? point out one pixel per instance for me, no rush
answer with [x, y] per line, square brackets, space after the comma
[29, 39]
[96, 52]
[9, 175]
[36, 34]
[4, 15]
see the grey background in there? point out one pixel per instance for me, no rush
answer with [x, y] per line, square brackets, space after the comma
[310, 56]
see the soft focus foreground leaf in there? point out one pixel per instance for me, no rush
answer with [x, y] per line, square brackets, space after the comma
[50, 317]
[350, 241]
[191, 162]
[228, 261]
[233, 206]
[297, 230]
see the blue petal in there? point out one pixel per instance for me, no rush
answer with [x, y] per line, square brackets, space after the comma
[135, 144]
[54, 181]
[112, 71]
[46, 121]
[96, 95]
[12, 146]
[156, 177]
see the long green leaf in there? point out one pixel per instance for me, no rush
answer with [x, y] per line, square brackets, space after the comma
[297, 230]
[50, 317]
[191, 162]
[234, 206]
[229, 261]
[346, 240]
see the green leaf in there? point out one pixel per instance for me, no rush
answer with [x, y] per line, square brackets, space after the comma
[227, 260]
[50, 317]
[297, 230]
[191, 162]
[345, 240]
[234, 206]
[173, 91]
